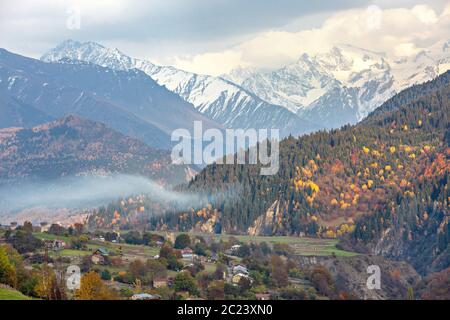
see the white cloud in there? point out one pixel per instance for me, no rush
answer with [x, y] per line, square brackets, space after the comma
[397, 32]
[203, 37]
[425, 14]
[212, 63]
[406, 49]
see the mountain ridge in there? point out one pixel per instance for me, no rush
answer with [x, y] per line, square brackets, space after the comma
[219, 99]
[351, 80]
[129, 101]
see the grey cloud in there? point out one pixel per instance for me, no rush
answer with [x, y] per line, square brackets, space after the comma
[175, 24]
[207, 20]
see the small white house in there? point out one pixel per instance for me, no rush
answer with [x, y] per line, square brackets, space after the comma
[187, 254]
[240, 269]
[145, 296]
[235, 248]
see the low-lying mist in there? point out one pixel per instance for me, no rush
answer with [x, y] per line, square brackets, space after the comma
[86, 192]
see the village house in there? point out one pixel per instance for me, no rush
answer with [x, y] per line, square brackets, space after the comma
[13, 225]
[187, 253]
[45, 226]
[262, 296]
[235, 248]
[240, 269]
[100, 238]
[58, 244]
[99, 256]
[145, 296]
[213, 258]
[236, 278]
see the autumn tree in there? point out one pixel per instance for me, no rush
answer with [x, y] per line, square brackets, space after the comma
[48, 287]
[322, 280]
[7, 271]
[93, 288]
[216, 290]
[279, 273]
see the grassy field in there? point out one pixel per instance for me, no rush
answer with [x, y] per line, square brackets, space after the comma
[129, 252]
[73, 253]
[9, 294]
[302, 246]
[210, 267]
[319, 247]
[48, 236]
[138, 251]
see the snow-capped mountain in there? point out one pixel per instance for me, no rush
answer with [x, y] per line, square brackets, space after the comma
[328, 89]
[343, 85]
[217, 98]
[129, 101]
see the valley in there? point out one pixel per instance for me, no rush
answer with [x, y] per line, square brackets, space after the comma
[90, 191]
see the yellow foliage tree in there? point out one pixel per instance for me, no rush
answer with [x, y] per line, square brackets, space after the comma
[47, 287]
[8, 274]
[330, 234]
[93, 288]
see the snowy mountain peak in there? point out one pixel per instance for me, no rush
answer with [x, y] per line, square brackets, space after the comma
[91, 52]
[217, 98]
[332, 88]
[346, 79]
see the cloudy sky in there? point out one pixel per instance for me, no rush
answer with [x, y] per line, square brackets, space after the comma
[215, 36]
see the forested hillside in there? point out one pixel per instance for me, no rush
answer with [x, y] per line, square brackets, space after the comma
[74, 146]
[381, 185]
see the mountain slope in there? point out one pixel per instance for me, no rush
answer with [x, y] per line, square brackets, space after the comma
[217, 98]
[382, 183]
[76, 146]
[128, 101]
[13, 113]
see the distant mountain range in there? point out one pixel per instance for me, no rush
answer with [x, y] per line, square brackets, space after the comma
[325, 90]
[216, 98]
[147, 102]
[130, 102]
[343, 85]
